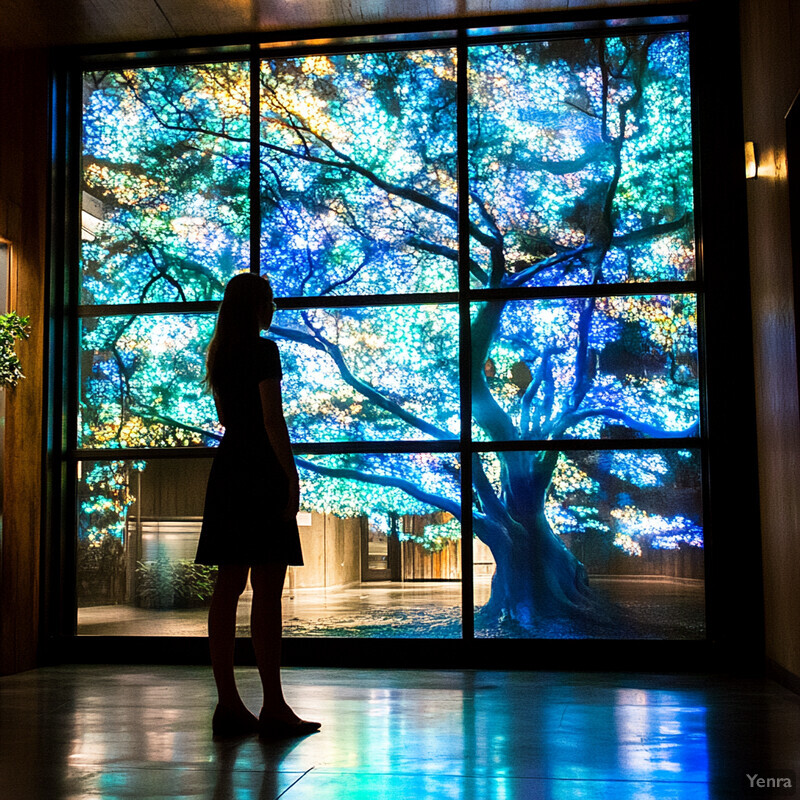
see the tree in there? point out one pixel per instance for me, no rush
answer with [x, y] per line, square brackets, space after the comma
[580, 176]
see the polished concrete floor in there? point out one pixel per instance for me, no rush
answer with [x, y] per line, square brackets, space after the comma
[144, 732]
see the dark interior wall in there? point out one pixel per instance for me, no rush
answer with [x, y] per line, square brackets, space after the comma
[770, 36]
[23, 204]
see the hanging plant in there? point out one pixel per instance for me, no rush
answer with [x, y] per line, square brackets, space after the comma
[12, 327]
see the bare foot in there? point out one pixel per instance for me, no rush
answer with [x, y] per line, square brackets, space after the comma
[282, 716]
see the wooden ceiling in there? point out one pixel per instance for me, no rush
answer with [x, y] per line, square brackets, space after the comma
[76, 22]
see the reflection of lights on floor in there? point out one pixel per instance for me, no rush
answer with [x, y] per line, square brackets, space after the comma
[97, 731]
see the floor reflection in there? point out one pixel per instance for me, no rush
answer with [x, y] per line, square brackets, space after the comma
[252, 768]
[124, 732]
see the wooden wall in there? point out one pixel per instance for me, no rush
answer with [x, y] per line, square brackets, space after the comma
[770, 35]
[420, 564]
[23, 197]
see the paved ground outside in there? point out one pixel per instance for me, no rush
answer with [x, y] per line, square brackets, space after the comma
[638, 608]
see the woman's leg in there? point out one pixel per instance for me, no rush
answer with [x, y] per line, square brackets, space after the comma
[231, 582]
[266, 625]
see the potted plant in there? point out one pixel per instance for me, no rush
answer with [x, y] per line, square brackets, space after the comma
[12, 327]
[163, 584]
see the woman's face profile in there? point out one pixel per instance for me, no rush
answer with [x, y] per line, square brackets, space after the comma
[265, 312]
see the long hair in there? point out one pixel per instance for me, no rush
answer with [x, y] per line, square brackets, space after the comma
[246, 309]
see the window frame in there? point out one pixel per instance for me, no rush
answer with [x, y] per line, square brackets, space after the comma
[68, 179]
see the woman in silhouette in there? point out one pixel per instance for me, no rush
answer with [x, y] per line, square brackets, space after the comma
[252, 499]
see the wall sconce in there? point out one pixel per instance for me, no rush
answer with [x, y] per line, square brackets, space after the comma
[750, 162]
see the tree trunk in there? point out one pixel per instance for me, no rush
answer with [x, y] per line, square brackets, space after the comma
[536, 577]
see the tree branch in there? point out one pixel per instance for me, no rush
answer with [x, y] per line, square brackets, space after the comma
[323, 345]
[487, 411]
[494, 524]
[345, 162]
[148, 414]
[652, 231]
[593, 153]
[450, 253]
[445, 504]
[620, 242]
[194, 128]
[543, 374]
[490, 502]
[585, 357]
[569, 420]
[161, 270]
[529, 273]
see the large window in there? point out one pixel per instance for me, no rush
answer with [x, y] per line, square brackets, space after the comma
[483, 249]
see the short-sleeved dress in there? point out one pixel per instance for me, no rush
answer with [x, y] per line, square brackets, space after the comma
[247, 488]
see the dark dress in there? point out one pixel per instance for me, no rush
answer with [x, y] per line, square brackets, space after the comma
[247, 488]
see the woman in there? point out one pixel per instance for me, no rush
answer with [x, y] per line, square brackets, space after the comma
[252, 499]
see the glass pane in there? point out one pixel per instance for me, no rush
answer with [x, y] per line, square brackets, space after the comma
[141, 382]
[581, 161]
[601, 367]
[165, 182]
[589, 544]
[358, 178]
[382, 547]
[368, 374]
[139, 523]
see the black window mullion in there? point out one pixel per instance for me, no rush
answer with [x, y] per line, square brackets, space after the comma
[465, 340]
[66, 559]
[403, 446]
[583, 290]
[654, 289]
[255, 160]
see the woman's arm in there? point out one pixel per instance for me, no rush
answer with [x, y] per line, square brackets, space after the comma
[278, 433]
